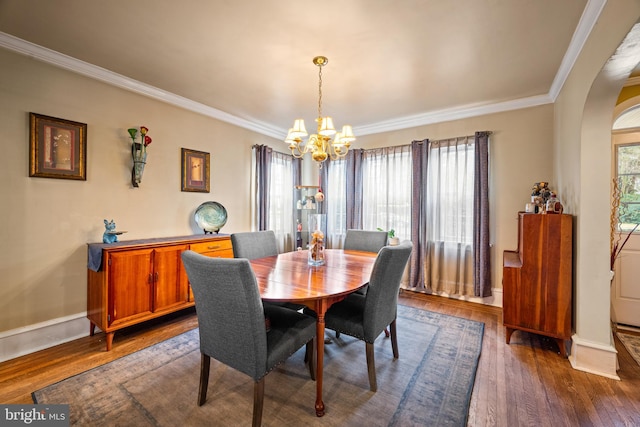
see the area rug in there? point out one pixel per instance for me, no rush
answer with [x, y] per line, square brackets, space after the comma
[632, 344]
[430, 384]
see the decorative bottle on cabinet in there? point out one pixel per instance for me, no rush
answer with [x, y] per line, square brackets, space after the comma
[537, 278]
[298, 235]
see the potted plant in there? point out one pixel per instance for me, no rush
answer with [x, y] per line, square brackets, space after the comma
[393, 240]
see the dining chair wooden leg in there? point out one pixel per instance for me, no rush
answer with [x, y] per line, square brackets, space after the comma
[371, 368]
[394, 339]
[258, 400]
[308, 357]
[205, 363]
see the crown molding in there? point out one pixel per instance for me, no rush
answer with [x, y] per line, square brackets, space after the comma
[585, 25]
[98, 73]
[455, 113]
[588, 20]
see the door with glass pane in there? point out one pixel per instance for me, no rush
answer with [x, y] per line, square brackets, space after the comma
[625, 288]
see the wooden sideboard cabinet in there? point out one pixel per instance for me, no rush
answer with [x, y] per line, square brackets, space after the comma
[537, 278]
[131, 282]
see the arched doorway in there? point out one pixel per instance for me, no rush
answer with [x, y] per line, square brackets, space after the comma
[584, 112]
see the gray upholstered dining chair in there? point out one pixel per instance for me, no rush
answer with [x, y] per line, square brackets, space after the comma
[258, 244]
[366, 316]
[231, 321]
[365, 240]
[254, 244]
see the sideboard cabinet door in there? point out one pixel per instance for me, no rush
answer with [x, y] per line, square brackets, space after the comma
[169, 278]
[130, 284]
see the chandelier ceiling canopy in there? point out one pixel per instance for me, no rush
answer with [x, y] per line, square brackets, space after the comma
[326, 142]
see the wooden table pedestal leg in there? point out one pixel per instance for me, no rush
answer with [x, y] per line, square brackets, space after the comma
[319, 363]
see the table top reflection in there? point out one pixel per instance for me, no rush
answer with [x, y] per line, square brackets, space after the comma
[289, 277]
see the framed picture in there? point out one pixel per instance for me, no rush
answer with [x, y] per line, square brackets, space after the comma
[57, 148]
[195, 171]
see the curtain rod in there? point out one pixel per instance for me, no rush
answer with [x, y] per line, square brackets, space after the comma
[479, 133]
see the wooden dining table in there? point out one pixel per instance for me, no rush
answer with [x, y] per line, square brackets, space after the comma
[288, 277]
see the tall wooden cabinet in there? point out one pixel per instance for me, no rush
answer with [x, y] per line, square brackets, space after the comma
[135, 281]
[537, 278]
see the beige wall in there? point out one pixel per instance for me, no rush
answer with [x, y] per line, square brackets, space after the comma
[520, 154]
[46, 223]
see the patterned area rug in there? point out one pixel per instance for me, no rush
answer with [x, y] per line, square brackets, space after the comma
[430, 384]
[632, 344]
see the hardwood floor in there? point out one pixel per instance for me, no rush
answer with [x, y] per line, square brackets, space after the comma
[525, 383]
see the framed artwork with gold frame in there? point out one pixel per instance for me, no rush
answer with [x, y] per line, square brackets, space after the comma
[195, 170]
[57, 148]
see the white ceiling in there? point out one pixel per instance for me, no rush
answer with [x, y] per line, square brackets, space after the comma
[392, 64]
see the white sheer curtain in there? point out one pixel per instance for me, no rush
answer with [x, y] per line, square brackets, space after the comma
[386, 190]
[280, 218]
[450, 215]
[336, 203]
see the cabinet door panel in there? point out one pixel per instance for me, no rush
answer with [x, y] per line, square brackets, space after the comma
[130, 284]
[170, 277]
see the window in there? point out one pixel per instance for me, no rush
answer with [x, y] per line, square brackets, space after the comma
[336, 203]
[444, 234]
[386, 193]
[386, 190]
[280, 218]
[450, 191]
[628, 174]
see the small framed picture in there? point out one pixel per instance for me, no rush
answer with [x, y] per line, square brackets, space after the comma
[57, 148]
[195, 171]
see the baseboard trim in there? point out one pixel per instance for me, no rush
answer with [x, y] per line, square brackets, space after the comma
[630, 328]
[494, 300]
[29, 339]
[594, 358]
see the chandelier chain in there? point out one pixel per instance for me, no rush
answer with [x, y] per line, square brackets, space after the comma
[319, 93]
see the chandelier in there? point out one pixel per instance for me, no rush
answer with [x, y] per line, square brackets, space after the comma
[320, 144]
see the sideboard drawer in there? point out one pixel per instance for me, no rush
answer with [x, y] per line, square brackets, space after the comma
[216, 248]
